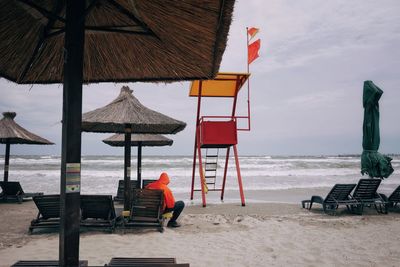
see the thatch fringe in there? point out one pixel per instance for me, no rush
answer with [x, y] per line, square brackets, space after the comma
[136, 139]
[176, 40]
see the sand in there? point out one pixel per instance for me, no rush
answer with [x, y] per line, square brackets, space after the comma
[260, 234]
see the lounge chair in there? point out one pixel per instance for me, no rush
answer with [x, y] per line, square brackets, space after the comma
[49, 212]
[394, 199]
[43, 263]
[366, 194]
[339, 195]
[146, 209]
[97, 211]
[147, 181]
[12, 191]
[154, 262]
[121, 189]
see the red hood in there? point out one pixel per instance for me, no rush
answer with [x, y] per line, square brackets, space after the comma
[164, 178]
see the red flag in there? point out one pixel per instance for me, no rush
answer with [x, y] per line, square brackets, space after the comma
[252, 32]
[253, 51]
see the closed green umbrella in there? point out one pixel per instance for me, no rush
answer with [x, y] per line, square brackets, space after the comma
[373, 163]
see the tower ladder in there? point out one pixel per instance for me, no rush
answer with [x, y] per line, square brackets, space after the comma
[211, 166]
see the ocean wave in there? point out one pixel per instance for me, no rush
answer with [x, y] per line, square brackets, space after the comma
[100, 174]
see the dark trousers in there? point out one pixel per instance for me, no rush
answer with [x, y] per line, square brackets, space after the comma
[176, 210]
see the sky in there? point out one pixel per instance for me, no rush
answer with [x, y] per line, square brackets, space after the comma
[305, 93]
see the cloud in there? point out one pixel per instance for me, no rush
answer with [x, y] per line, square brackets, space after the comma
[294, 33]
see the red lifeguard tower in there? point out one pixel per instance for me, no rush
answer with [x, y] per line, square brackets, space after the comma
[217, 132]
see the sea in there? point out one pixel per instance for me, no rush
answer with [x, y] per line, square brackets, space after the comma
[265, 178]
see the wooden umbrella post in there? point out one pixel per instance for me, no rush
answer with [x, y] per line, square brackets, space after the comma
[139, 165]
[71, 134]
[6, 161]
[127, 169]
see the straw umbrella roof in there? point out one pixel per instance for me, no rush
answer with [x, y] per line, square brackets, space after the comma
[125, 40]
[136, 139]
[127, 110]
[12, 133]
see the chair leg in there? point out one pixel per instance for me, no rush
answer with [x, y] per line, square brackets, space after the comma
[381, 208]
[162, 225]
[362, 208]
[330, 209]
[305, 204]
[348, 207]
[385, 208]
[324, 207]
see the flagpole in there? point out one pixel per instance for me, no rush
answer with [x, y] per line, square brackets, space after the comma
[248, 80]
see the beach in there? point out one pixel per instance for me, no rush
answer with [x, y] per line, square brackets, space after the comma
[271, 230]
[264, 104]
[259, 234]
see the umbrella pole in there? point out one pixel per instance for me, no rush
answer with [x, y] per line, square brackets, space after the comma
[71, 134]
[127, 168]
[139, 165]
[6, 161]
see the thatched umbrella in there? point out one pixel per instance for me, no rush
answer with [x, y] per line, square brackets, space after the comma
[126, 110]
[69, 41]
[139, 140]
[125, 40]
[12, 133]
[126, 114]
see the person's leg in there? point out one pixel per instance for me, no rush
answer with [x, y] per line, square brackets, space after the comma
[178, 207]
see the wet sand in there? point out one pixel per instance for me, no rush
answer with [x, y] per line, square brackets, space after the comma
[260, 234]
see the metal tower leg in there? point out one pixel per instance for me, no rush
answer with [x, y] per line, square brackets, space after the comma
[225, 171]
[194, 166]
[203, 194]
[239, 176]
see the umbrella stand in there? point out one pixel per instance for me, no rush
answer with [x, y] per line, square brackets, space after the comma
[127, 168]
[6, 161]
[71, 134]
[139, 165]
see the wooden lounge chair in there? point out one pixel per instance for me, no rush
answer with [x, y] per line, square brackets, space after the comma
[147, 181]
[121, 188]
[97, 211]
[394, 199]
[339, 195]
[49, 212]
[366, 194]
[12, 191]
[44, 263]
[147, 262]
[146, 209]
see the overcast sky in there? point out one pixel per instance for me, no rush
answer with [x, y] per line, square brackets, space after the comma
[306, 87]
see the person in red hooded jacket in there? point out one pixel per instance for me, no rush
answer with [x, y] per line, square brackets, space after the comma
[170, 205]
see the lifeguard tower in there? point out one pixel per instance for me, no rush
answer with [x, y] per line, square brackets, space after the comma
[217, 132]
